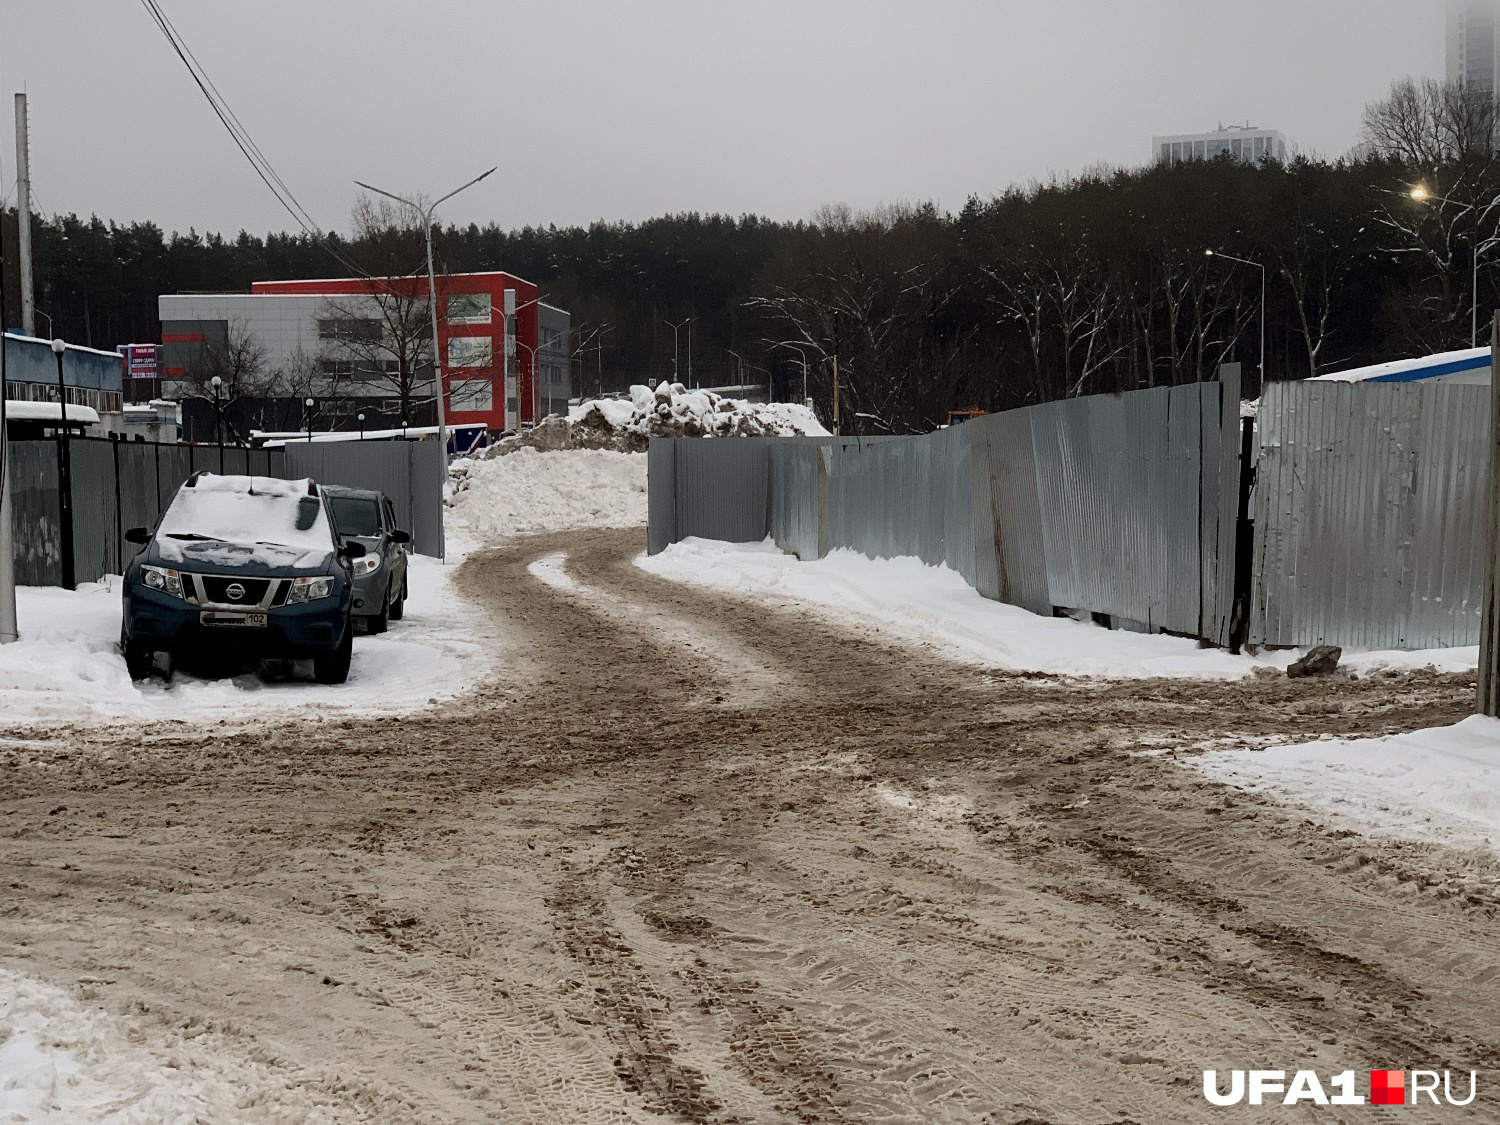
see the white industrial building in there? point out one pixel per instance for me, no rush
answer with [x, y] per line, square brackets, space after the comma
[1243, 142]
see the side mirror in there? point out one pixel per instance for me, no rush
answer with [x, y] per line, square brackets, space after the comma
[140, 536]
[352, 550]
[400, 537]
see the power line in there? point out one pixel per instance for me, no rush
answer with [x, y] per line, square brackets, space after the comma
[246, 144]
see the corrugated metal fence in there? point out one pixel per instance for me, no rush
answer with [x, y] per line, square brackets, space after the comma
[411, 473]
[1103, 504]
[117, 485]
[1370, 506]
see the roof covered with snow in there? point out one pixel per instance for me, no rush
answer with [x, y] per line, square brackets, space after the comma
[22, 410]
[1475, 361]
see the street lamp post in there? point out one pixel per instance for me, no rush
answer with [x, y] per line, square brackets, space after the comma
[307, 417]
[427, 214]
[798, 349]
[740, 361]
[1422, 195]
[361, 425]
[64, 472]
[216, 383]
[677, 350]
[1257, 265]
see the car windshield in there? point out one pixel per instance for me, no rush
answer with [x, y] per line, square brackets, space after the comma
[355, 516]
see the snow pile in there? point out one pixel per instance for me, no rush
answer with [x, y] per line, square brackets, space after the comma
[65, 1062]
[67, 666]
[529, 491]
[671, 410]
[933, 606]
[1438, 785]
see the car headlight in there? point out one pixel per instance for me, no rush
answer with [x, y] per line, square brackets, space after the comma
[308, 590]
[160, 578]
[367, 565]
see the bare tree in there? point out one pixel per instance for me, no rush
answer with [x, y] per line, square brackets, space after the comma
[379, 342]
[238, 361]
[1430, 124]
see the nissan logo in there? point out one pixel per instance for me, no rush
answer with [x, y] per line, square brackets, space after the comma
[235, 592]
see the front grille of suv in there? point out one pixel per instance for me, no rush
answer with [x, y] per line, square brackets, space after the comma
[216, 589]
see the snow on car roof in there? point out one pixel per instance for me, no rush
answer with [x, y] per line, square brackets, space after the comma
[254, 512]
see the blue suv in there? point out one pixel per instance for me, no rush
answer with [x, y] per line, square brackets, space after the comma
[248, 567]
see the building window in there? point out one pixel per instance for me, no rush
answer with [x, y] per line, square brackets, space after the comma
[472, 394]
[349, 328]
[469, 308]
[471, 351]
[337, 366]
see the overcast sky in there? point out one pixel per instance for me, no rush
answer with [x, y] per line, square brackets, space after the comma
[623, 109]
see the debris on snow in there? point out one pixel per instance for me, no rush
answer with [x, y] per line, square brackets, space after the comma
[670, 410]
[1322, 660]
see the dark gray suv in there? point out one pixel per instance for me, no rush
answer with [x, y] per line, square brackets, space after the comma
[365, 516]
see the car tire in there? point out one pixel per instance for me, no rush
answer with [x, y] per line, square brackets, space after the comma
[333, 667]
[398, 607]
[378, 622]
[140, 661]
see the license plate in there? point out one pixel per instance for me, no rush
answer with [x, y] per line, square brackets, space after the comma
[233, 620]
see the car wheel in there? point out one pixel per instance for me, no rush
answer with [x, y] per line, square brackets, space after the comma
[398, 607]
[333, 667]
[377, 623]
[139, 660]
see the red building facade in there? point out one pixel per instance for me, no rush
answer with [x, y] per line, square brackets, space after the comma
[489, 377]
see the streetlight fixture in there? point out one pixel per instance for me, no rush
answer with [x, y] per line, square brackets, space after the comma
[216, 383]
[427, 214]
[1422, 195]
[741, 361]
[307, 417]
[64, 472]
[1257, 265]
[877, 419]
[361, 425]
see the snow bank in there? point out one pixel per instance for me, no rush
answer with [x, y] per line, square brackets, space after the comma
[1439, 785]
[528, 491]
[935, 607]
[63, 1061]
[67, 667]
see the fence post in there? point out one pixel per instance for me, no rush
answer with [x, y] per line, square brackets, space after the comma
[1489, 627]
[114, 445]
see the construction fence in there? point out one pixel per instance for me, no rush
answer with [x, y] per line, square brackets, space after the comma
[118, 485]
[1353, 514]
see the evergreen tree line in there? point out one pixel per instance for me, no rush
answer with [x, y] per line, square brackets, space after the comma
[1094, 283]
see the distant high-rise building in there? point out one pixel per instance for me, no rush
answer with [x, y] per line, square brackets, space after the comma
[1473, 44]
[1243, 142]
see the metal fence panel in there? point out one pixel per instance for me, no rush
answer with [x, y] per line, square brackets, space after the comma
[661, 494]
[1119, 481]
[1370, 514]
[1008, 460]
[96, 536]
[411, 473]
[799, 496]
[721, 487]
[34, 510]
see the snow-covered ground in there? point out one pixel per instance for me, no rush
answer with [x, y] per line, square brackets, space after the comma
[907, 600]
[1439, 785]
[67, 664]
[65, 1061]
[528, 491]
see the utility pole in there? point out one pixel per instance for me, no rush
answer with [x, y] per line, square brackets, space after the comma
[1488, 702]
[8, 628]
[835, 374]
[23, 217]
